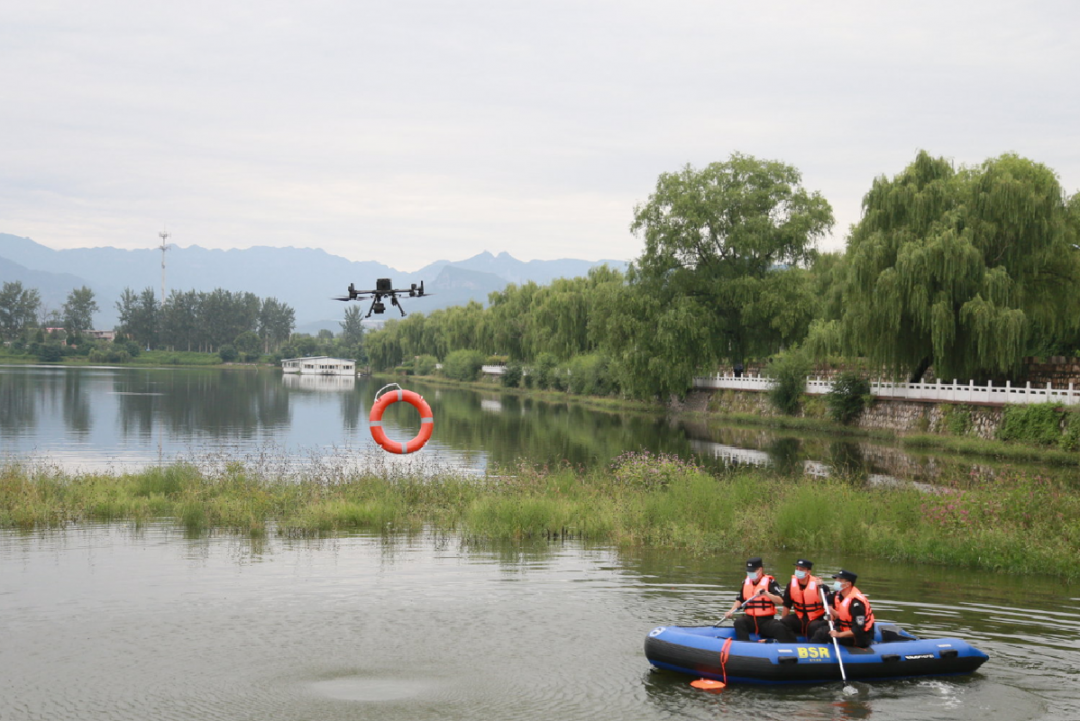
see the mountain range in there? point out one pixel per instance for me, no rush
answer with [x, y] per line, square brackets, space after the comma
[304, 278]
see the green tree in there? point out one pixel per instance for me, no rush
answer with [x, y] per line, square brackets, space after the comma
[788, 371]
[275, 323]
[248, 346]
[962, 269]
[180, 327]
[352, 328]
[140, 316]
[510, 319]
[18, 309]
[79, 311]
[723, 272]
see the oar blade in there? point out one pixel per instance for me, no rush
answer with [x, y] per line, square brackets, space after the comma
[708, 684]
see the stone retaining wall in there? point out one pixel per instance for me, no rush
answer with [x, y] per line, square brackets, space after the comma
[1058, 371]
[898, 416]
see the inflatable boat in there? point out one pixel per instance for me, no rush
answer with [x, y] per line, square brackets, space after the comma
[711, 652]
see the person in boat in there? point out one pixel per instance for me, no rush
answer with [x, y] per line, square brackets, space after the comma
[803, 611]
[759, 596]
[852, 616]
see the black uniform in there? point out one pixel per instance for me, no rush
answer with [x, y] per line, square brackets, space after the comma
[862, 638]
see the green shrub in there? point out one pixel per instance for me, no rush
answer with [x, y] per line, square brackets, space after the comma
[1071, 440]
[511, 377]
[590, 375]
[1037, 423]
[956, 419]
[49, 352]
[463, 365]
[108, 354]
[228, 354]
[425, 365]
[642, 470]
[544, 369]
[560, 378]
[847, 398]
[788, 371]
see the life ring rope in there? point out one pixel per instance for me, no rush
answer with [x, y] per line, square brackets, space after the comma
[427, 419]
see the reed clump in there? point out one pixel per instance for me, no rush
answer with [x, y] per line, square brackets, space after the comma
[1017, 523]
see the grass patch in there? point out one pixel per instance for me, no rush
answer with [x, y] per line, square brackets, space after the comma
[1019, 523]
[1000, 450]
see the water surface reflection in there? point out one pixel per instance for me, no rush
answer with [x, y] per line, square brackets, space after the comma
[89, 418]
[113, 622]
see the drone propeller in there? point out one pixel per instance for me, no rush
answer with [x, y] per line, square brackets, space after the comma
[418, 292]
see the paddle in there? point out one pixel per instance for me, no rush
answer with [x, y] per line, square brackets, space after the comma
[730, 614]
[836, 644]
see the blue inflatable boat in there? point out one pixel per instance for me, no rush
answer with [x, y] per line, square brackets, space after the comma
[711, 652]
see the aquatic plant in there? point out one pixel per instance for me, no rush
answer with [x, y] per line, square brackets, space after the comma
[1019, 522]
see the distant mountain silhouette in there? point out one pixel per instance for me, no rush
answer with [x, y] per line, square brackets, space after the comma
[304, 278]
[52, 287]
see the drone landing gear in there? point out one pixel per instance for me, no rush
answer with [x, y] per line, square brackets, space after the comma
[377, 306]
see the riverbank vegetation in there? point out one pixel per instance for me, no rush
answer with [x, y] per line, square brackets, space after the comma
[961, 270]
[1023, 523]
[964, 271]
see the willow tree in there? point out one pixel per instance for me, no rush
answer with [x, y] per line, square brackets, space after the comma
[726, 249]
[962, 269]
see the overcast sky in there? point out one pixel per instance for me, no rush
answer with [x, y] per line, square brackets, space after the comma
[407, 132]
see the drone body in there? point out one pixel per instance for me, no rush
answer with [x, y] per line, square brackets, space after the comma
[384, 288]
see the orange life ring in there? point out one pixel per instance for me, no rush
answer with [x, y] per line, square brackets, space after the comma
[427, 421]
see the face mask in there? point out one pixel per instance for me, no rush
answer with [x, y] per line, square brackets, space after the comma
[836, 586]
[800, 574]
[753, 575]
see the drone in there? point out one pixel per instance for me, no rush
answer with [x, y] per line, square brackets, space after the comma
[384, 288]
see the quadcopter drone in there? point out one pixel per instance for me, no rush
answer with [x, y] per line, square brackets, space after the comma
[384, 287]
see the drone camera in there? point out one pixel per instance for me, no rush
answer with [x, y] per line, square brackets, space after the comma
[384, 285]
[378, 307]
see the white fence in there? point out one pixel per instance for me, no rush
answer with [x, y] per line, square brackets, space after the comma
[947, 392]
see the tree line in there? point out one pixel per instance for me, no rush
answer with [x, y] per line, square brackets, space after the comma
[205, 321]
[239, 323]
[21, 310]
[965, 270]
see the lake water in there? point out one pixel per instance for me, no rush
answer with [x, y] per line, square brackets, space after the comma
[113, 622]
[110, 418]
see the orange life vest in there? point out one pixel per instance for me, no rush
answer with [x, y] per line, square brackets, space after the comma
[842, 607]
[807, 601]
[760, 606]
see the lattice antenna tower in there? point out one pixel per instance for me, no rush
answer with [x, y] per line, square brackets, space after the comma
[164, 235]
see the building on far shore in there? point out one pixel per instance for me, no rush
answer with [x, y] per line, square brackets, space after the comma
[109, 335]
[320, 365]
